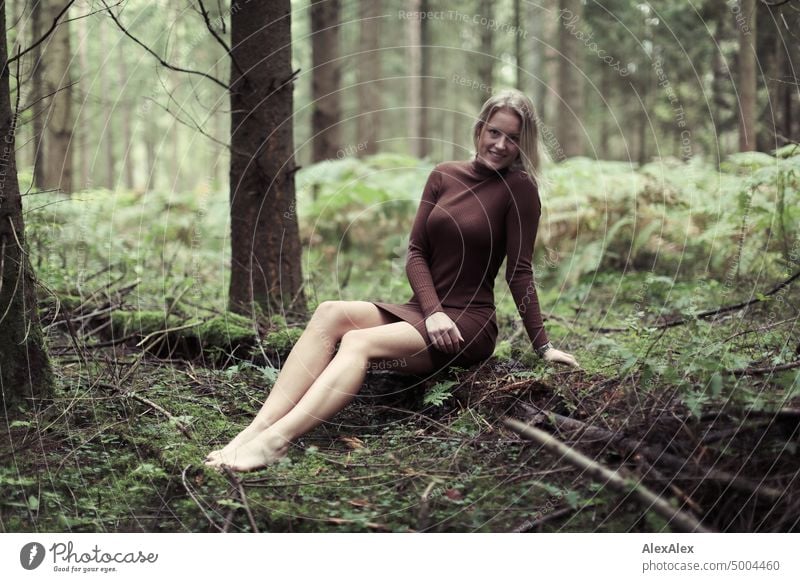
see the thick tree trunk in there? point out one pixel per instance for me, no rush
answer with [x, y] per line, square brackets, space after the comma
[570, 84]
[59, 122]
[265, 239]
[369, 71]
[747, 76]
[325, 80]
[24, 367]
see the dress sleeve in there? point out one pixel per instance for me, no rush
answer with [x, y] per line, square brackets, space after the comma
[522, 223]
[419, 249]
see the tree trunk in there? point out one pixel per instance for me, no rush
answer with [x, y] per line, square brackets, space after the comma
[109, 176]
[265, 239]
[38, 16]
[519, 81]
[486, 57]
[125, 113]
[369, 71]
[570, 84]
[747, 75]
[325, 80]
[85, 150]
[59, 123]
[24, 367]
[423, 130]
[545, 22]
[414, 32]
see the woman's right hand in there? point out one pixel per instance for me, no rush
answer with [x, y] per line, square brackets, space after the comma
[443, 332]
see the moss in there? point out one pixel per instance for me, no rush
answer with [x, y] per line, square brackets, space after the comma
[225, 330]
[282, 341]
[125, 323]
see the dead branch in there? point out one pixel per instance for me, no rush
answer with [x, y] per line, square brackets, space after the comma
[242, 496]
[649, 500]
[219, 39]
[197, 501]
[712, 312]
[156, 55]
[45, 35]
[653, 454]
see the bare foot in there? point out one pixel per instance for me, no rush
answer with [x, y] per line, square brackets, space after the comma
[260, 451]
[250, 432]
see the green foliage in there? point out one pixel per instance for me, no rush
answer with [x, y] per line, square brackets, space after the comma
[438, 393]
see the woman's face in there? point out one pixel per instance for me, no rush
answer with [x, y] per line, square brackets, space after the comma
[498, 144]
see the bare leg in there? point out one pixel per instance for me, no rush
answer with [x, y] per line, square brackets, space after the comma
[308, 358]
[333, 390]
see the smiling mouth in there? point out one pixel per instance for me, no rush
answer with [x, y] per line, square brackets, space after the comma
[495, 155]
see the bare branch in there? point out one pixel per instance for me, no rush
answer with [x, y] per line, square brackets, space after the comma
[220, 40]
[45, 35]
[160, 60]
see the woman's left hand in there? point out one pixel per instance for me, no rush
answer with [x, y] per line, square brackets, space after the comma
[554, 355]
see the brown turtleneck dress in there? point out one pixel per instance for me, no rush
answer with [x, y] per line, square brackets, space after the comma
[470, 218]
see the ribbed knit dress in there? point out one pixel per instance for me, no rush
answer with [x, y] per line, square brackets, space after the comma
[470, 218]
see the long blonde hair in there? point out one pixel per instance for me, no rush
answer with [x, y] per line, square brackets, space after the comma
[532, 153]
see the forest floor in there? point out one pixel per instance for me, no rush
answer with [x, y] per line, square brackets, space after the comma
[704, 413]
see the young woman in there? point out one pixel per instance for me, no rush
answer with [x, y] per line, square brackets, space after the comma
[473, 215]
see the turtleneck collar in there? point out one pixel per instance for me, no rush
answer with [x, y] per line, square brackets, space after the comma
[481, 169]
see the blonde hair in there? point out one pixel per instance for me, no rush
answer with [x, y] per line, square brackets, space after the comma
[532, 153]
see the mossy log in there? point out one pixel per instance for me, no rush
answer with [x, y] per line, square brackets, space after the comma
[217, 339]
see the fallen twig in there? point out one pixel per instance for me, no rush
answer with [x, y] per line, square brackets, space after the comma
[680, 519]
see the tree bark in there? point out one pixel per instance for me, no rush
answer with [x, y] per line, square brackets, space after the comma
[59, 122]
[570, 84]
[265, 239]
[325, 80]
[486, 57]
[125, 114]
[109, 177]
[24, 366]
[414, 58]
[747, 76]
[38, 14]
[423, 130]
[369, 72]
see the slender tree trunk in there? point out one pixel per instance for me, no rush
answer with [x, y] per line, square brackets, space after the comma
[125, 114]
[606, 87]
[109, 175]
[485, 59]
[570, 84]
[83, 120]
[414, 31]
[747, 76]
[24, 366]
[59, 123]
[325, 80]
[265, 239]
[519, 79]
[369, 71]
[545, 21]
[38, 15]
[426, 84]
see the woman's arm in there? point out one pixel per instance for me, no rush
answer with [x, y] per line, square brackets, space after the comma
[419, 249]
[442, 331]
[522, 225]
